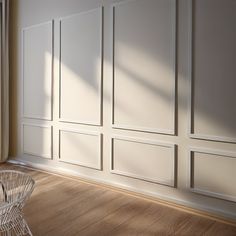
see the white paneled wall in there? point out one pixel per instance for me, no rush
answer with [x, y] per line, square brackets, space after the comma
[138, 94]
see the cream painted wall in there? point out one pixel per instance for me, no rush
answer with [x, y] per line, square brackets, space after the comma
[102, 89]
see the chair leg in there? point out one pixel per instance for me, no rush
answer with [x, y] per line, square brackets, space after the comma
[8, 233]
[21, 228]
[28, 231]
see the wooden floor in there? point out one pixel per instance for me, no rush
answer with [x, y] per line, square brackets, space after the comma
[64, 207]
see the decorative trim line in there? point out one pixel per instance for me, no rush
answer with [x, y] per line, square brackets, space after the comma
[100, 122]
[143, 129]
[173, 182]
[213, 152]
[191, 89]
[78, 122]
[36, 154]
[82, 132]
[50, 118]
[83, 12]
[212, 138]
[140, 128]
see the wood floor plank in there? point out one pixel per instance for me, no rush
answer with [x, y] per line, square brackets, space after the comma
[94, 215]
[65, 207]
[194, 225]
[107, 224]
[157, 223]
[219, 229]
[54, 205]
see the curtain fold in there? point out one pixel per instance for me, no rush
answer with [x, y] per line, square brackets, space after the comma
[4, 80]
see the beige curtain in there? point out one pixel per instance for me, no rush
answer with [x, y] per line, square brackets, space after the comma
[4, 80]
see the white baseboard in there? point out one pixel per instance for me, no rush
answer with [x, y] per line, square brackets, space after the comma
[200, 209]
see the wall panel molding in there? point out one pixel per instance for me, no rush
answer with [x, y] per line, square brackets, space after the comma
[117, 125]
[173, 178]
[191, 131]
[96, 120]
[35, 153]
[215, 154]
[97, 164]
[48, 92]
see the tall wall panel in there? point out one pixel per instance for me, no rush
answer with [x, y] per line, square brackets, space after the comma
[213, 70]
[144, 65]
[81, 67]
[37, 71]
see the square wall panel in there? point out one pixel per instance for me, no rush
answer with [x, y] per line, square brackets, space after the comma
[144, 159]
[80, 148]
[37, 140]
[213, 173]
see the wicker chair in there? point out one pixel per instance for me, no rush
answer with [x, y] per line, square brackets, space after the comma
[15, 188]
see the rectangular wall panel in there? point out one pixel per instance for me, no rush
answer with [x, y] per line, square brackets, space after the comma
[81, 68]
[80, 148]
[213, 173]
[213, 70]
[144, 65]
[37, 140]
[37, 71]
[142, 159]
